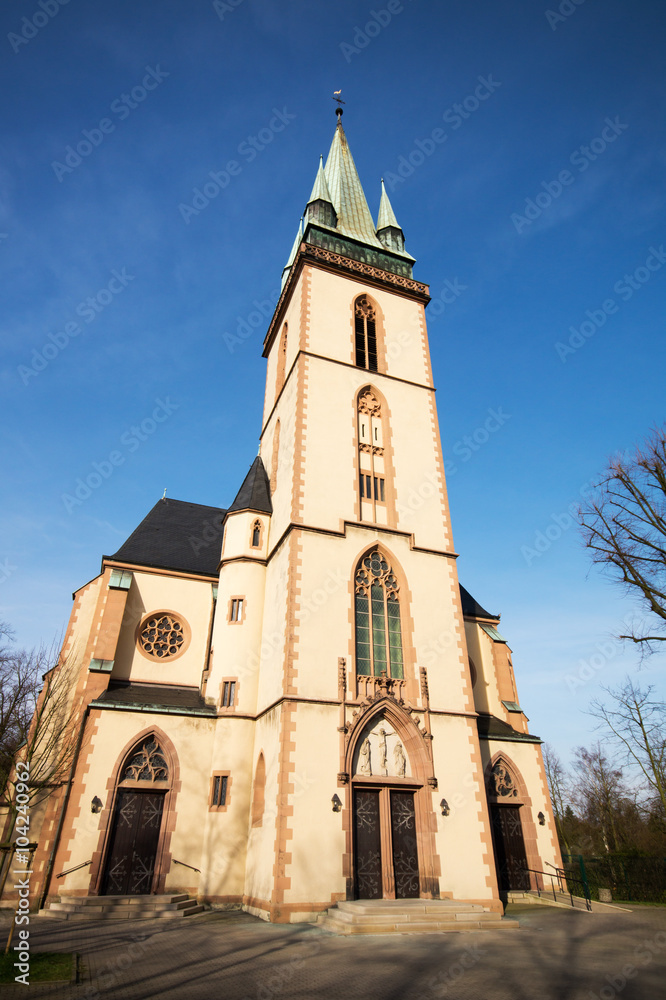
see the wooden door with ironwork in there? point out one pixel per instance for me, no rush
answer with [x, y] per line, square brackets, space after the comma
[368, 844]
[510, 857]
[386, 862]
[403, 843]
[130, 861]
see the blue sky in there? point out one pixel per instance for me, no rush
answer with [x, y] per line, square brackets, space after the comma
[537, 201]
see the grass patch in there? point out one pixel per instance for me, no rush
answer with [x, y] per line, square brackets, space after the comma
[45, 967]
[633, 902]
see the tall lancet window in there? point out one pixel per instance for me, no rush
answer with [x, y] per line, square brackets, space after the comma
[372, 485]
[378, 632]
[365, 329]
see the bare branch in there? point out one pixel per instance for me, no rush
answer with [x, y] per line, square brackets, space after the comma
[624, 526]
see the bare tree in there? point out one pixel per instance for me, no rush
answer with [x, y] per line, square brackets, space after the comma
[40, 727]
[19, 686]
[637, 723]
[600, 793]
[556, 776]
[624, 526]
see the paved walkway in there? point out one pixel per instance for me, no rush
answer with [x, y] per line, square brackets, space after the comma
[556, 955]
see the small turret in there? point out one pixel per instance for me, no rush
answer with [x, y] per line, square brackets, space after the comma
[388, 231]
[320, 204]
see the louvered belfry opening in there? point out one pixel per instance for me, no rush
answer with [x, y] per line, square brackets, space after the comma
[366, 335]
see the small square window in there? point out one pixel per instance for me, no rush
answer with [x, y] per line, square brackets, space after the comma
[228, 694]
[236, 612]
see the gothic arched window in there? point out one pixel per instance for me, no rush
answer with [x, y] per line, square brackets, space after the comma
[256, 535]
[378, 631]
[146, 763]
[371, 464]
[365, 331]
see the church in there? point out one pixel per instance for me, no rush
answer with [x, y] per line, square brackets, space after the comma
[291, 702]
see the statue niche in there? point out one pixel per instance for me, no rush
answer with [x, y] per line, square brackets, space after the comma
[380, 752]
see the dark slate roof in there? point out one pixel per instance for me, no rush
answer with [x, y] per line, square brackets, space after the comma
[255, 493]
[492, 728]
[176, 535]
[154, 697]
[471, 608]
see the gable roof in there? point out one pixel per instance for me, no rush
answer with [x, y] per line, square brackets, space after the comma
[255, 493]
[176, 535]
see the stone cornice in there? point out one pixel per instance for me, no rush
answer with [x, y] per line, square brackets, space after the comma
[328, 260]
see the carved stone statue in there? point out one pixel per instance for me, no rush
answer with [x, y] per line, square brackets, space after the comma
[399, 760]
[364, 764]
[382, 749]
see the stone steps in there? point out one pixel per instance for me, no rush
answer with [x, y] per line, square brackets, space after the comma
[410, 916]
[170, 906]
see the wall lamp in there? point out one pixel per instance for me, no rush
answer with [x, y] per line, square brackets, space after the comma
[444, 806]
[96, 805]
[336, 803]
[542, 819]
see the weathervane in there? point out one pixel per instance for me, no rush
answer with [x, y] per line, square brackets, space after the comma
[336, 97]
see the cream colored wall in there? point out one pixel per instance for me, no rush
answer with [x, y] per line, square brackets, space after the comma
[259, 879]
[292, 316]
[486, 691]
[325, 628]
[238, 529]
[236, 645]
[331, 485]
[268, 661]
[462, 837]
[286, 413]
[226, 833]
[193, 741]
[318, 843]
[150, 592]
[332, 324]
[84, 616]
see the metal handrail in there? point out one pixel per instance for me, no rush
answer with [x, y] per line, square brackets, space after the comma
[182, 863]
[563, 880]
[75, 869]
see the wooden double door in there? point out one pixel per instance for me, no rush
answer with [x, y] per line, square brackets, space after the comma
[510, 856]
[386, 863]
[135, 833]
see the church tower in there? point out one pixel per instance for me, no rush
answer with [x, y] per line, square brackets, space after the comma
[366, 744]
[291, 702]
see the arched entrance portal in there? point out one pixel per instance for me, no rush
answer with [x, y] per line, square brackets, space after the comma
[392, 853]
[134, 841]
[505, 804]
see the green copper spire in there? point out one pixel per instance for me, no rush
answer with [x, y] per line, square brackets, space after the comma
[320, 190]
[386, 214]
[294, 250]
[349, 202]
[337, 217]
[320, 204]
[388, 230]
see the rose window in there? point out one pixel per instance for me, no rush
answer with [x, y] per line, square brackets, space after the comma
[162, 636]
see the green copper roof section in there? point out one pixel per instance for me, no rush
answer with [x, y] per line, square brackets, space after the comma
[320, 190]
[294, 251]
[386, 213]
[347, 195]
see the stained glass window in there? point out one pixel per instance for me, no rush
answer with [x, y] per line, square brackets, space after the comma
[378, 630]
